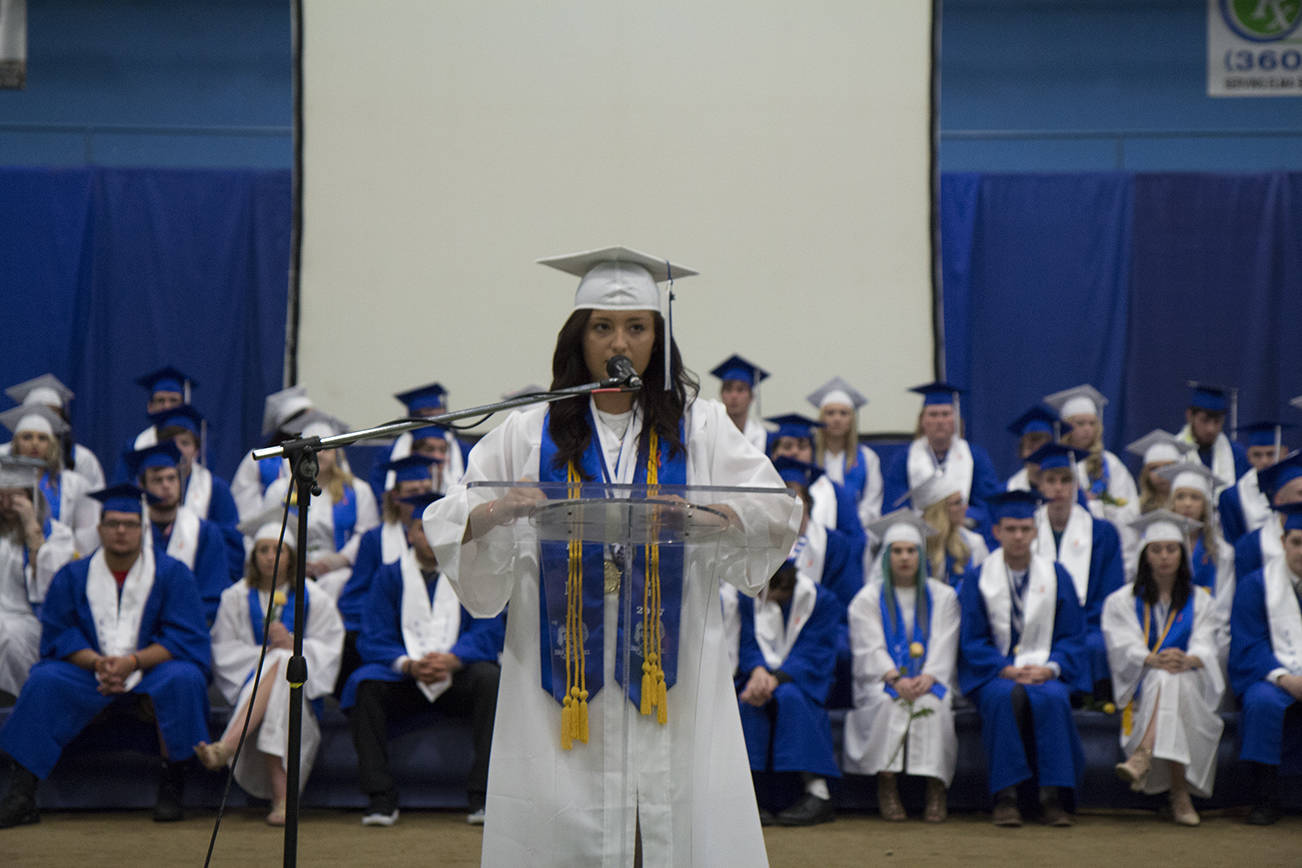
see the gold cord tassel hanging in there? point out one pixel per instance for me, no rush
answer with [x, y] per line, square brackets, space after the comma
[574, 707]
[654, 689]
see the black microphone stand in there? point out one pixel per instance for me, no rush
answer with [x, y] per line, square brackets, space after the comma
[302, 456]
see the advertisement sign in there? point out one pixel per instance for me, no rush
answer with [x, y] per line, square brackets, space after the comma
[1254, 48]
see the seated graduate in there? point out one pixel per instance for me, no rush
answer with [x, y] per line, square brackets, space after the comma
[1266, 667]
[1034, 428]
[1242, 506]
[1204, 429]
[831, 504]
[202, 491]
[1156, 450]
[1281, 482]
[953, 552]
[1211, 559]
[37, 430]
[838, 451]
[282, 419]
[421, 652]
[47, 390]
[237, 642]
[124, 622]
[338, 516]
[904, 632]
[938, 447]
[1021, 654]
[1088, 547]
[379, 547]
[434, 441]
[168, 387]
[175, 529]
[33, 547]
[788, 656]
[740, 381]
[1164, 636]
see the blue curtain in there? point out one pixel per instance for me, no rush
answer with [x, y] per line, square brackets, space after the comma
[109, 273]
[1134, 283]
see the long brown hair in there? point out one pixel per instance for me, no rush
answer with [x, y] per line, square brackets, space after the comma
[1146, 585]
[662, 409]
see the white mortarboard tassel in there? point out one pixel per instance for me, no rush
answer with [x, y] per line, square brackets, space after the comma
[1082, 400]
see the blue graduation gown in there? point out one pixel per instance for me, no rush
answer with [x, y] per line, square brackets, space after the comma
[380, 642]
[985, 482]
[794, 724]
[223, 513]
[1060, 759]
[1230, 507]
[1251, 659]
[1241, 463]
[352, 599]
[1107, 574]
[211, 565]
[1247, 551]
[60, 699]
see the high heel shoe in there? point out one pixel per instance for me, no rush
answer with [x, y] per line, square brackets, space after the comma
[1135, 769]
[888, 799]
[1182, 810]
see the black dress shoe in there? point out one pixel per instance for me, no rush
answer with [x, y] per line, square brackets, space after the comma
[1266, 814]
[809, 811]
[19, 805]
[171, 786]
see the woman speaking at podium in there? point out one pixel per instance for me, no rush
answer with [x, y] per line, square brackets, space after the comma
[589, 765]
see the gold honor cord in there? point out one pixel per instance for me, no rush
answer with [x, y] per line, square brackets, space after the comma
[574, 708]
[1128, 715]
[654, 689]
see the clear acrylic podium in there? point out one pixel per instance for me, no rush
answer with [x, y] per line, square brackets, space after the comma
[617, 709]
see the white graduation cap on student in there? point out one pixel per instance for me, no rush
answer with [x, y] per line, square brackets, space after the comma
[1163, 525]
[902, 525]
[45, 389]
[1190, 474]
[836, 391]
[33, 417]
[280, 407]
[1082, 400]
[266, 525]
[1158, 445]
[932, 490]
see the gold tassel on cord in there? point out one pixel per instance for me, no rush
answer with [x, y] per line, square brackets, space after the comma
[654, 689]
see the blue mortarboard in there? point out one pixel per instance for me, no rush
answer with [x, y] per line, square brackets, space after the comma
[1037, 419]
[1013, 504]
[167, 379]
[1271, 479]
[1262, 433]
[418, 502]
[428, 432]
[1292, 513]
[183, 416]
[1052, 455]
[411, 468]
[936, 393]
[794, 425]
[123, 497]
[736, 368]
[1205, 396]
[792, 470]
[159, 455]
[429, 397]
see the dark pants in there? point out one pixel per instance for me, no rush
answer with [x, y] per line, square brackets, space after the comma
[473, 694]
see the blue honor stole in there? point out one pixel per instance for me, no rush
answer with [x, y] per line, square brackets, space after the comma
[1174, 633]
[856, 478]
[1204, 568]
[345, 516]
[269, 472]
[256, 618]
[900, 645]
[51, 492]
[571, 593]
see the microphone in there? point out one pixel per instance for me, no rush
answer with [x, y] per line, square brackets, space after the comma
[621, 369]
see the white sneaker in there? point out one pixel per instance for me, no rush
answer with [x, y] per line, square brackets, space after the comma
[477, 818]
[376, 818]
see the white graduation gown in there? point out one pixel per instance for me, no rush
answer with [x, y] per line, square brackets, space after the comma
[1188, 727]
[246, 486]
[321, 528]
[870, 500]
[689, 780]
[878, 722]
[756, 434]
[22, 585]
[235, 656]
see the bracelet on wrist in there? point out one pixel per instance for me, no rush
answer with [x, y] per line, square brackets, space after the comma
[135, 661]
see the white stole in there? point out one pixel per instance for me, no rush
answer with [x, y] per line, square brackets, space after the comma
[1253, 504]
[810, 551]
[774, 638]
[393, 542]
[198, 493]
[117, 621]
[16, 579]
[1272, 540]
[1077, 545]
[184, 541]
[1284, 615]
[958, 466]
[1222, 458]
[146, 438]
[1039, 607]
[822, 505]
[428, 627]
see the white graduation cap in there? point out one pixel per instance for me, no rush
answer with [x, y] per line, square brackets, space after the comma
[34, 417]
[45, 389]
[317, 423]
[836, 391]
[902, 525]
[933, 490]
[1190, 474]
[1163, 525]
[266, 525]
[1079, 400]
[1158, 445]
[617, 278]
[1296, 402]
[282, 406]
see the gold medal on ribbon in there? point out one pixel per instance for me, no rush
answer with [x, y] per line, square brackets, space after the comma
[611, 576]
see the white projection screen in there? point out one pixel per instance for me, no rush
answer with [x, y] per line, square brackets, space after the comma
[781, 149]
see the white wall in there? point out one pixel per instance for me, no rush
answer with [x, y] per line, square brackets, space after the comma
[781, 149]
